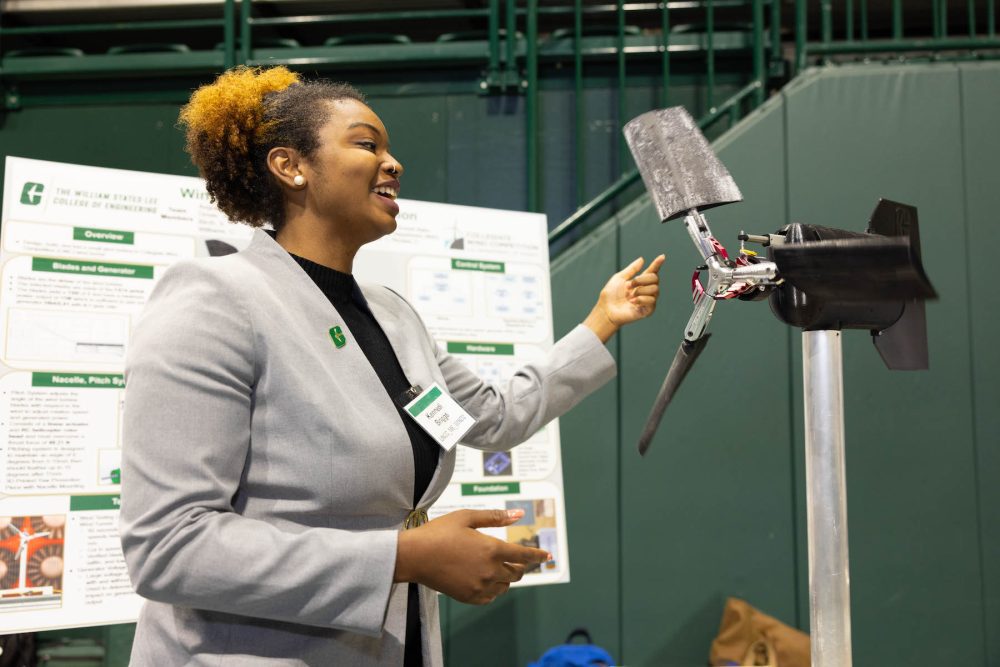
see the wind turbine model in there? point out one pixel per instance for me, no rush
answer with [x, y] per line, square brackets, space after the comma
[21, 555]
[820, 279]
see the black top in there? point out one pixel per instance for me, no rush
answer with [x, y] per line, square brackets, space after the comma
[345, 295]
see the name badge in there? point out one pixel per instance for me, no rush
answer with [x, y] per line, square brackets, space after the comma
[440, 415]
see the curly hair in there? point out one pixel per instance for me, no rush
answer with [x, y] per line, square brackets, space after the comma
[234, 122]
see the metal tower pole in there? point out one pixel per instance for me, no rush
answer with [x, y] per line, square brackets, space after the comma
[826, 492]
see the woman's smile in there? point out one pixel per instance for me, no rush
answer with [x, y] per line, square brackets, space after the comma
[387, 192]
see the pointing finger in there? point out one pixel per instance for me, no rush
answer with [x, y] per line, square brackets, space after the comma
[492, 518]
[655, 265]
[632, 268]
[516, 554]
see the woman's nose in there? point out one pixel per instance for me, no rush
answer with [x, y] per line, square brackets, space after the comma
[393, 167]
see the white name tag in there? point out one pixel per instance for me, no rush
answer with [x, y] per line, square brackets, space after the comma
[440, 415]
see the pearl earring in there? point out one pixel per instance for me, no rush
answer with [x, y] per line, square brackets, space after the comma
[299, 179]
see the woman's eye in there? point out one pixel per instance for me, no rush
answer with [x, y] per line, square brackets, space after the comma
[370, 145]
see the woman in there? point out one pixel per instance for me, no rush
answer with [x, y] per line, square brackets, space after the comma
[268, 467]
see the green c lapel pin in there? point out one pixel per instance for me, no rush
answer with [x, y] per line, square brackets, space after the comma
[338, 337]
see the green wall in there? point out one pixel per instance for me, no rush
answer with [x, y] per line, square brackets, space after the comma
[717, 507]
[918, 501]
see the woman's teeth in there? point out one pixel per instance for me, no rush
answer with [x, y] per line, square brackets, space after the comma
[385, 191]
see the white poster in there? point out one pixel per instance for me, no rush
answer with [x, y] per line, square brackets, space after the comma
[480, 280]
[80, 251]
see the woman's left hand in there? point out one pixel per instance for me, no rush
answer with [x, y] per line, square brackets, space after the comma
[625, 298]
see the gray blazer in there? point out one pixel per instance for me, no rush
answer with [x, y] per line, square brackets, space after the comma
[266, 473]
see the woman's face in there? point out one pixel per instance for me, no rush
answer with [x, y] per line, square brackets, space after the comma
[355, 180]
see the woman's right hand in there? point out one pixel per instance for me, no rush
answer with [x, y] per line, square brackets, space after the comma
[449, 555]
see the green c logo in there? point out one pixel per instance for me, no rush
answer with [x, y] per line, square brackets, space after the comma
[339, 339]
[31, 193]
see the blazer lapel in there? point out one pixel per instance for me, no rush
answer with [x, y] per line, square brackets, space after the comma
[406, 342]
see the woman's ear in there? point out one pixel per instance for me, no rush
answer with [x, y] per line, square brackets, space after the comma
[286, 166]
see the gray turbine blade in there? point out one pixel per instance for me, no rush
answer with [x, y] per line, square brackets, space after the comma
[678, 166]
[686, 355]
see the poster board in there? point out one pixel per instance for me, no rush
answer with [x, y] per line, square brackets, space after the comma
[80, 250]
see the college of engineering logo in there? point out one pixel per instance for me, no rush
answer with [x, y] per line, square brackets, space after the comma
[31, 193]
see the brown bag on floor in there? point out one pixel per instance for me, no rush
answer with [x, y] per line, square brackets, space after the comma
[750, 637]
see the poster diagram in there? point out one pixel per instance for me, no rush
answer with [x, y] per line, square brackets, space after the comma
[81, 248]
[31, 561]
[537, 529]
[34, 336]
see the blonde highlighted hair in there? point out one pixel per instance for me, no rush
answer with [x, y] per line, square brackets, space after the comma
[234, 122]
